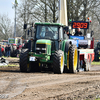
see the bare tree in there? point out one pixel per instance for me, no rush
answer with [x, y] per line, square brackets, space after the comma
[6, 28]
[79, 9]
[47, 11]
[38, 10]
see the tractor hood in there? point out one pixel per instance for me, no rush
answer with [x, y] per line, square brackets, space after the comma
[43, 46]
[44, 41]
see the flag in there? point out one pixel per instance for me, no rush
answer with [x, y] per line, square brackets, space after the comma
[16, 2]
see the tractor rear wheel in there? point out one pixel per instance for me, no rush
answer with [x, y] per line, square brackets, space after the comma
[24, 65]
[58, 62]
[73, 59]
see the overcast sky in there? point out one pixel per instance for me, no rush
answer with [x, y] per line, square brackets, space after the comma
[6, 8]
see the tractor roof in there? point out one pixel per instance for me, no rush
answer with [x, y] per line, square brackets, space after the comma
[47, 23]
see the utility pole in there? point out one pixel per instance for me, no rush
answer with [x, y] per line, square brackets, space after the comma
[54, 11]
[15, 6]
[45, 11]
[85, 5]
[25, 22]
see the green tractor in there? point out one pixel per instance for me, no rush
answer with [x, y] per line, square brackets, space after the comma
[49, 49]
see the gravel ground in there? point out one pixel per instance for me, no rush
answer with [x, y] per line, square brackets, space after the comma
[15, 85]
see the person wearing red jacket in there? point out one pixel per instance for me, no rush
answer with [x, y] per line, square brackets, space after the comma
[0, 51]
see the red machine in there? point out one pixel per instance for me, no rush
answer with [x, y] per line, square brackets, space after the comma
[85, 45]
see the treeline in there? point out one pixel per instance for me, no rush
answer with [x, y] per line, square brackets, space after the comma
[30, 11]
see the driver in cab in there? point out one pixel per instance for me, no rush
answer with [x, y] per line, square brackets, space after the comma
[78, 32]
[48, 33]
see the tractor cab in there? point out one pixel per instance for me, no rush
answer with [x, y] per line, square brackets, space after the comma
[46, 33]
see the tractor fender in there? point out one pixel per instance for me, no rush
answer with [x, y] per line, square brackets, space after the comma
[67, 45]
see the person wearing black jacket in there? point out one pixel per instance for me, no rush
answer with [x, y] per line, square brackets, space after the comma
[78, 32]
[8, 50]
[66, 32]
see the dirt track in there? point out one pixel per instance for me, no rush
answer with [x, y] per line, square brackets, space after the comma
[15, 85]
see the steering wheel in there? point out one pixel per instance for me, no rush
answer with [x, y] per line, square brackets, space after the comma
[48, 37]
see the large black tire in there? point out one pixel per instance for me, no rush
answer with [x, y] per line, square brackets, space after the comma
[78, 63]
[25, 45]
[66, 67]
[73, 59]
[58, 62]
[96, 57]
[24, 66]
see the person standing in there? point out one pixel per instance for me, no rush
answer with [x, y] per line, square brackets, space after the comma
[8, 50]
[0, 51]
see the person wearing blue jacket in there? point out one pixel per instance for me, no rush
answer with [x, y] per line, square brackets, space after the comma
[8, 50]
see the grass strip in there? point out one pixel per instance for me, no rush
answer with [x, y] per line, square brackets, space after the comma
[95, 63]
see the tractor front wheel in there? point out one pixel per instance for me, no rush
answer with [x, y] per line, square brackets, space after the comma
[58, 62]
[24, 65]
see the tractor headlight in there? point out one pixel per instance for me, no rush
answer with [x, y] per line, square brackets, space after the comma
[38, 49]
[43, 48]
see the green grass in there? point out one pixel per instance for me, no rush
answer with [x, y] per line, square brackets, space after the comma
[10, 65]
[95, 63]
[10, 57]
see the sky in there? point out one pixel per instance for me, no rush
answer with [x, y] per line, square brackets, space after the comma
[6, 8]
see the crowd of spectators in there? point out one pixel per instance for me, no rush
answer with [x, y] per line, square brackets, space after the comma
[5, 51]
